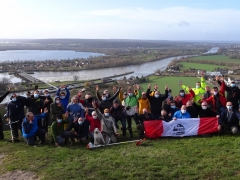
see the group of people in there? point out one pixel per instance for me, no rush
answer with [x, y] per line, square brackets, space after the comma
[77, 119]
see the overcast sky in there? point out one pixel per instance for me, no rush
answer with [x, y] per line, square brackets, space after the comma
[121, 19]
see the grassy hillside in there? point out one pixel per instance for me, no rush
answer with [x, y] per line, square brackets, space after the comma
[171, 81]
[219, 58]
[210, 158]
[207, 67]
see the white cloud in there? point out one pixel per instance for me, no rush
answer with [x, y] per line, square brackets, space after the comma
[137, 23]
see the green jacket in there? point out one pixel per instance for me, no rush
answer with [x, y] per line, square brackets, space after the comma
[58, 128]
[133, 100]
[198, 91]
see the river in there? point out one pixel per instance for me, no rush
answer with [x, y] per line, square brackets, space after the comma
[139, 70]
[42, 55]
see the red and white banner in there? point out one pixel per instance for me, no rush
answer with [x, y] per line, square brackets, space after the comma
[180, 127]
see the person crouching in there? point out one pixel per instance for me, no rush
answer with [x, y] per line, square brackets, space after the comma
[30, 128]
[59, 135]
[80, 130]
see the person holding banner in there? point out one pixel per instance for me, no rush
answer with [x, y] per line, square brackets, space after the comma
[182, 114]
[229, 119]
[140, 118]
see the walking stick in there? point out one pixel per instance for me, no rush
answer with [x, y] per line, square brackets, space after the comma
[10, 125]
[137, 143]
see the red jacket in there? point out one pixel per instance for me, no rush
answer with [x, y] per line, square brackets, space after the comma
[221, 95]
[94, 123]
[183, 100]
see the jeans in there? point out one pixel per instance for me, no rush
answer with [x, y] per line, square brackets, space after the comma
[65, 135]
[41, 135]
[123, 122]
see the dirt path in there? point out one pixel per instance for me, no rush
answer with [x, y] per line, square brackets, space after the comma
[16, 175]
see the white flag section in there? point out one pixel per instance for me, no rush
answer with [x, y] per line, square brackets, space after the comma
[180, 127]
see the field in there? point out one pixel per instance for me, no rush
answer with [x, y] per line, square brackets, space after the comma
[210, 158]
[207, 67]
[172, 82]
[219, 58]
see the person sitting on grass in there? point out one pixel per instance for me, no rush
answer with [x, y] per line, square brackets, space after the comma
[80, 130]
[108, 127]
[30, 128]
[59, 135]
[182, 114]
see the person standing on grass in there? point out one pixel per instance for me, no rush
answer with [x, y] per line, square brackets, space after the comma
[233, 93]
[218, 99]
[156, 101]
[131, 102]
[47, 101]
[74, 109]
[229, 119]
[183, 98]
[30, 128]
[144, 102]
[64, 96]
[1, 122]
[15, 114]
[117, 111]
[56, 108]
[106, 102]
[199, 90]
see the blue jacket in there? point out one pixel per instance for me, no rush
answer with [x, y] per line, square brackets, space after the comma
[75, 109]
[29, 129]
[180, 115]
[64, 101]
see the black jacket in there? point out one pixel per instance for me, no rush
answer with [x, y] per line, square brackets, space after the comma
[233, 95]
[82, 130]
[204, 113]
[165, 118]
[35, 105]
[50, 101]
[15, 109]
[140, 118]
[192, 111]
[117, 113]
[156, 103]
[234, 120]
[108, 102]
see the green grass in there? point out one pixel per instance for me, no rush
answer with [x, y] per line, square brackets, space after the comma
[210, 158]
[207, 67]
[171, 81]
[219, 58]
